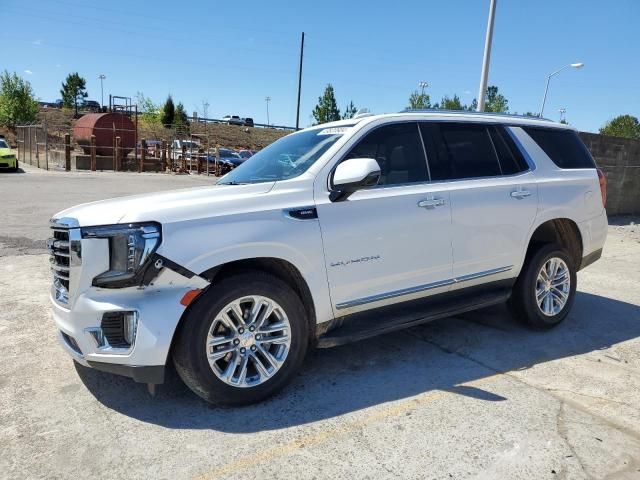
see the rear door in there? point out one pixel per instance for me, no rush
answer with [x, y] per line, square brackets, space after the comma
[493, 195]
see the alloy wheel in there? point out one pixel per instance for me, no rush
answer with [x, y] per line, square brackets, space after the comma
[553, 286]
[248, 341]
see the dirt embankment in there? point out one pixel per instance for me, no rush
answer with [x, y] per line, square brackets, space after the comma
[232, 136]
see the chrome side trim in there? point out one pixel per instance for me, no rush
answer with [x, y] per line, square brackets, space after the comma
[486, 273]
[421, 288]
[396, 293]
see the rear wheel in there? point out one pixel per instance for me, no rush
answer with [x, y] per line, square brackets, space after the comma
[545, 290]
[243, 341]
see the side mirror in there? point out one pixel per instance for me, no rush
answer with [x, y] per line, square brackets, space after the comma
[353, 175]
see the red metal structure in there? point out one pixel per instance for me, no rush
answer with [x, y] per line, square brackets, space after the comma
[106, 127]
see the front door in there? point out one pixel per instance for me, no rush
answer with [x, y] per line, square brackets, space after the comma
[390, 243]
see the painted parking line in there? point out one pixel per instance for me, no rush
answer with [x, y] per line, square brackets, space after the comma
[386, 411]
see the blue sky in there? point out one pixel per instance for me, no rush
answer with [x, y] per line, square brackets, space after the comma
[234, 53]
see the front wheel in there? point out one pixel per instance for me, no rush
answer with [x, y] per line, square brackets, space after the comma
[545, 290]
[243, 341]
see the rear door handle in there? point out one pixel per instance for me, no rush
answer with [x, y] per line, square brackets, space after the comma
[432, 202]
[521, 194]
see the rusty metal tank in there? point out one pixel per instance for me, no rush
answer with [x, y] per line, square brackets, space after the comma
[106, 127]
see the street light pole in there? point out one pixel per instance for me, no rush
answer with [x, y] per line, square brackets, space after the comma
[267, 99]
[101, 77]
[546, 89]
[423, 85]
[486, 59]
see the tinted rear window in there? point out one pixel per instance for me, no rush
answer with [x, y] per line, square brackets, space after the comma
[564, 147]
[511, 159]
[459, 150]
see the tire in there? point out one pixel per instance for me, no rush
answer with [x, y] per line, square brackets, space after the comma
[205, 322]
[524, 303]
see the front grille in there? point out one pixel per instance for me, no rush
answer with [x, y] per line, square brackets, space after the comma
[4, 165]
[60, 257]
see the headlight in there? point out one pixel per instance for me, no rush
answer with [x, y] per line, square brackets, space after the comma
[130, 249]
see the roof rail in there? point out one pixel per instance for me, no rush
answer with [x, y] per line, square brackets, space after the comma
[467, 112]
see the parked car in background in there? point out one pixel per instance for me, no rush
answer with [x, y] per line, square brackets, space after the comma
[231, 156]
[248, 122]
[153, 146]
[91, 105]
[189, 145]
[8, 159]
[233, 120]
[246, 153]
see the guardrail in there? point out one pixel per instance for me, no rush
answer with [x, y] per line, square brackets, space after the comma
[218, 120]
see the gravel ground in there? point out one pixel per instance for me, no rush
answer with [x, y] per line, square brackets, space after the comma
[475, 396]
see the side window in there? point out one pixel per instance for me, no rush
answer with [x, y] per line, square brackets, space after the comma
[509, 156]
[563, 147]
[398, 150]
[459, 150]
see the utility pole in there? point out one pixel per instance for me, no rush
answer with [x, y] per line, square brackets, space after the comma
[101, 77]
[562, 112]
[423, 85]
[267, 99]
[300, 82]
[484, 76]
[205, 107]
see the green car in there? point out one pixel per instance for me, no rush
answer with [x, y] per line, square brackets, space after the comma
[8, 160]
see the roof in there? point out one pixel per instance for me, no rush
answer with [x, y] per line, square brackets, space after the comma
[451, 115]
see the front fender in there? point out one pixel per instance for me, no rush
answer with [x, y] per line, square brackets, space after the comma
[201, 245]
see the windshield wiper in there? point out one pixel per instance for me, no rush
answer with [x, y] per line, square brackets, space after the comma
[231, 183]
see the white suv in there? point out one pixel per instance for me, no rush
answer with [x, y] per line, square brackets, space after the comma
[330, 235]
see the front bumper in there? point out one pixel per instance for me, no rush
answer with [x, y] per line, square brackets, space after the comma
[8, 163]
[158, 313]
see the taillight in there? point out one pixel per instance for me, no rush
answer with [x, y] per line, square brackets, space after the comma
[603, 187]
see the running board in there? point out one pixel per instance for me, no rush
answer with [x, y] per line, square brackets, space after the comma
[378, 321]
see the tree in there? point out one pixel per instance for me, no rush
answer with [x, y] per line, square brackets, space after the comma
[349, 111]
[622, 126]
[419, 101]
[450, 103]
[180, 117]
[168, 112]
[327, 109]
[17, 103]
[150, 114]
[495, 102]
[74, 91]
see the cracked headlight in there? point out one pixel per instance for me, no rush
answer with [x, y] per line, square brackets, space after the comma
[130, 250]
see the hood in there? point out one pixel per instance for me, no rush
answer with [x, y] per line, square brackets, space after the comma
[6, 151]
[169, 206]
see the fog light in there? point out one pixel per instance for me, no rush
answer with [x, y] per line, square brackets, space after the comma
[117, 330]
[130, 327]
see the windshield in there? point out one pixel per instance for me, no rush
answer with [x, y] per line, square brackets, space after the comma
[289, 157]
[3, 144]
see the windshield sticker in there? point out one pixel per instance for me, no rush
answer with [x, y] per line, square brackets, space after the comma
[333, 131]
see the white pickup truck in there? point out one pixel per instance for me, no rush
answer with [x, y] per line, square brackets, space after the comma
[189, 146]
[330, 235]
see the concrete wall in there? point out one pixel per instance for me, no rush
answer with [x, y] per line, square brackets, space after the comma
[619, 159]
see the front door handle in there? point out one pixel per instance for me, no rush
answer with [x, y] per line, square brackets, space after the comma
[432, 202]
[520, 194]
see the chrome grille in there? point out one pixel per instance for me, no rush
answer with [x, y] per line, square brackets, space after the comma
[64, 250]
[60, 255]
